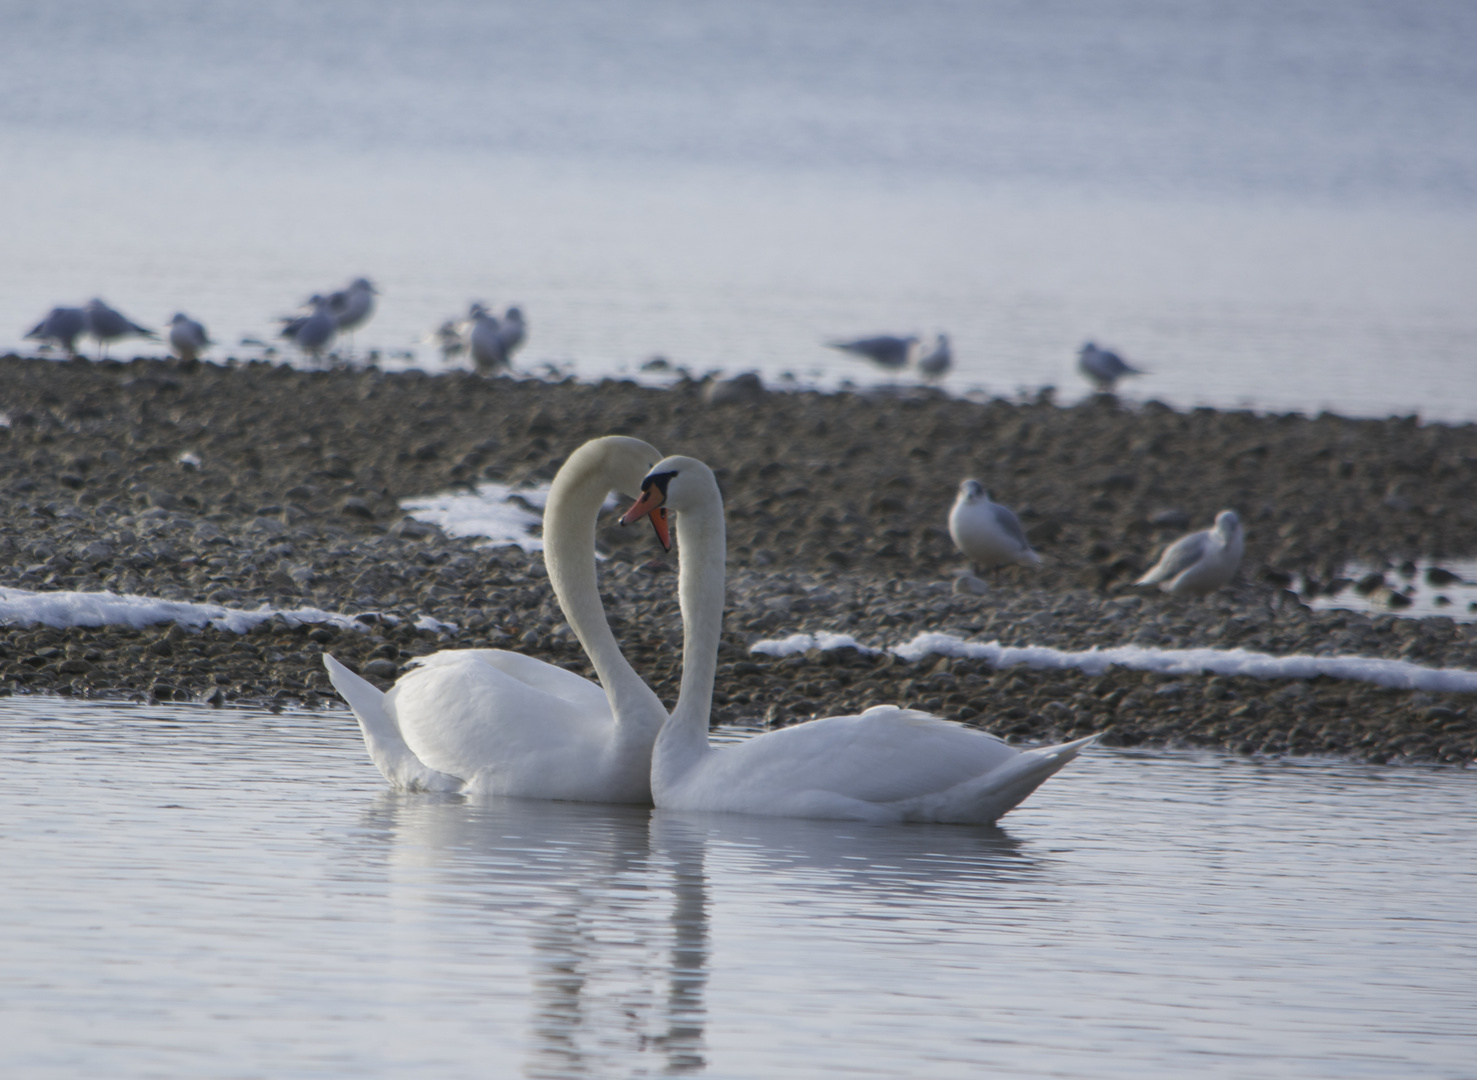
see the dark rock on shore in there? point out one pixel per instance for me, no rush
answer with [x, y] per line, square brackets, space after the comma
[258, 484]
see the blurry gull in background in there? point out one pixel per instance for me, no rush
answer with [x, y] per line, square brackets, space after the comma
[104, 325]
[314, 332]
[448, 340]
[884, 351]
[989, 535]
[494, 341]
[938, 362]
[63, 325]
[512, 332]
[1202, 562]
[187, 337]
[486, 340]
[1103, 368]
[352, 307]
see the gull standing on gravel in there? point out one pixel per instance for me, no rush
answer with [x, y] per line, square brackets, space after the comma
[187, 337]
[512, 333]
[1103, 368]
[937, 363]
[448, 340]
[314, 332]
[486, 339]
[885, 351]
[352, 307]
[104, 325]
[989, 535]
[63, 325]
[1202, 562]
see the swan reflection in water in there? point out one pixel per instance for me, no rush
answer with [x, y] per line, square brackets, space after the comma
[617, 929]
[615, 904]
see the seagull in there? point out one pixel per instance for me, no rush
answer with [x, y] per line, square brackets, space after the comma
[1202, 562]
[937, 363]
[886, 352]
[486, 340]
[1103, 368]
[352, 307]
[448, 339]
[106, 325]
[62, 325]
[187, 337]
[989, 535]
[512, 332]
[312, 333]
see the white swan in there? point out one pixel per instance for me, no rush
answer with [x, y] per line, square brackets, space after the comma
[497, 722]
[990, 535]
[888, 764]
[1202, 562]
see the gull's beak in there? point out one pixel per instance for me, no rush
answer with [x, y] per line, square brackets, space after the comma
[650, 505]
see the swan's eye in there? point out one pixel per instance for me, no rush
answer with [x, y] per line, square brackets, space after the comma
[659, 481]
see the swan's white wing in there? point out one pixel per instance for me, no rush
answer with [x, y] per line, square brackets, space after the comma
[387, 749]
[1177, 558]
[468, 717]
[548, 678]
[884, 755]
[987, 798]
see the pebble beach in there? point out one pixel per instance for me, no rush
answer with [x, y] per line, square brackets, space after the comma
[251, 485]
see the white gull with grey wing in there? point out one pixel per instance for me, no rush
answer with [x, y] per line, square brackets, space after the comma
[989, 534]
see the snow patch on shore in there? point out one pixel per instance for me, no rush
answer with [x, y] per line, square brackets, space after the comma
[1398, 674]
[64, 609]
[799, 643]
[496, 513]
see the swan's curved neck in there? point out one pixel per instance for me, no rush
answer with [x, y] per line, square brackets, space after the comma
[703, 546]
[569, 554]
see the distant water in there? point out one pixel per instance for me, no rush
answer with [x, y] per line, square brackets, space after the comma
[197, 893]
[1264, 204]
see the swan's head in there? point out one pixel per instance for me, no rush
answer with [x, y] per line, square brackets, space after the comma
[513, 314]
[179, 317]
[673, 484]
[614, 463]
[363, 285]
[1227, 523]
[972, 491]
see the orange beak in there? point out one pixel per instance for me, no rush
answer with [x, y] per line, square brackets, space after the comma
[649, 505]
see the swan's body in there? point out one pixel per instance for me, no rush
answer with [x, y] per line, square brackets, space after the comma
[1202, 562]
[989, 534]
[501, 723]
[63, 325]
[187, 337]
[1102, 367]
[886, 764]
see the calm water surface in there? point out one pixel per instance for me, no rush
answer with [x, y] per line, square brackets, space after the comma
[229, 894]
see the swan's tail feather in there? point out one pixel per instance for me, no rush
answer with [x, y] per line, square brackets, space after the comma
[988, 798]
[386, 746]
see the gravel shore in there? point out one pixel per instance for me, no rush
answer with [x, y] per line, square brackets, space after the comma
[256, 484]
